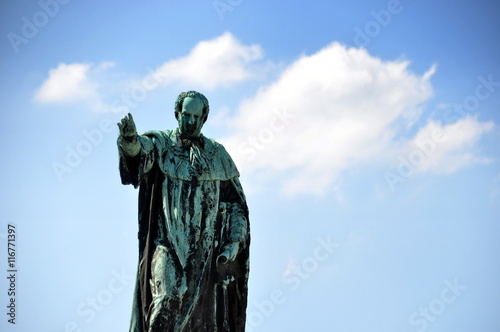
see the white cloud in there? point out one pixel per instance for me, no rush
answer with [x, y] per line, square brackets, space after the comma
[221, 61]
[342, 105]
[326, 113]
[75, 82]
[447, 148]
[336, 109]
[67, 82]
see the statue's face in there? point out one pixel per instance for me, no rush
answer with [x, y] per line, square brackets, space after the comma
[191, 117]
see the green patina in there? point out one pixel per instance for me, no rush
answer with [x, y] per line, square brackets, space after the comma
[193, 225]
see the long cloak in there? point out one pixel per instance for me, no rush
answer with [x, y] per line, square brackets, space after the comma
[191, 204]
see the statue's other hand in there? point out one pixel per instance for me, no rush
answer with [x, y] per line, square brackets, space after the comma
[127, 126]
[229, 253]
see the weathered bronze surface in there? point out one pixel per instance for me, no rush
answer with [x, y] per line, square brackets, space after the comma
[193, 225]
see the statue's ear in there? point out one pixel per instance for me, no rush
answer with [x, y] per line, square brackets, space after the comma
[205, 117]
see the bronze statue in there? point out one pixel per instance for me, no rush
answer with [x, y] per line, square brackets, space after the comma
[193, 225]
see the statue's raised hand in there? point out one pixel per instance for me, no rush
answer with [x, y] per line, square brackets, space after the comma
[128, 136]
[127, 127]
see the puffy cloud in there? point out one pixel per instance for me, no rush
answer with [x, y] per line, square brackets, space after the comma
[67, 82]
[446, 148]
[326, 112]
[75, 82]
[333, 110]
[221, 61]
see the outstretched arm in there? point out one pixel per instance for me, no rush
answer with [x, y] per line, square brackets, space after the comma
[136, 152]
[127, 140]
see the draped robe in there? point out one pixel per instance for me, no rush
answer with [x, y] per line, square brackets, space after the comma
[191, 204]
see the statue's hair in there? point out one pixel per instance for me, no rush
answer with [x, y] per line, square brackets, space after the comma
[192, 94]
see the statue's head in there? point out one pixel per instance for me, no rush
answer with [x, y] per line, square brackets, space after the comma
[191, 111]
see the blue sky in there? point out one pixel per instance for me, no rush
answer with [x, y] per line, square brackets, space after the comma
[366, 134]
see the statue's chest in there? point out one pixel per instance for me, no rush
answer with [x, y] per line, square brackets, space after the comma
[186, 163]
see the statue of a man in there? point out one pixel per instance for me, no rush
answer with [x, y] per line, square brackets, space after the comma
[193, 225]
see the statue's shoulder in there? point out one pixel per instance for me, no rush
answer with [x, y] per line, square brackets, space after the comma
[163, 137]
[212, 145]
[221, 158]
[159, 133]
